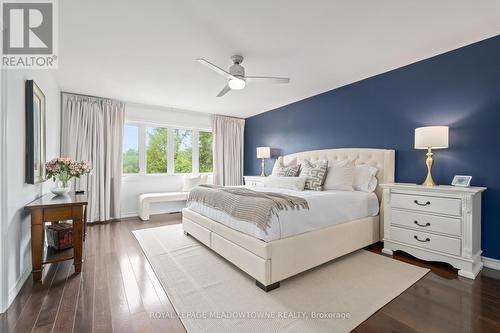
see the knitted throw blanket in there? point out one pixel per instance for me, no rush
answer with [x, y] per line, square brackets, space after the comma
[245, 204]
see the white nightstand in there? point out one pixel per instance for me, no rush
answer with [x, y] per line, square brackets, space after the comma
[440, 223]
[254, 180]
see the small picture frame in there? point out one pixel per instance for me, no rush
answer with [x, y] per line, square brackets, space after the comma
[461, 181]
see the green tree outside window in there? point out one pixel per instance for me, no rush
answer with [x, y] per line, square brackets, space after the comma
[183, 151]
[130, 157]
[156, 150]
[206, 158]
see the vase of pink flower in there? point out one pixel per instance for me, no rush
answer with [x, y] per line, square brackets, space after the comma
[62, 170]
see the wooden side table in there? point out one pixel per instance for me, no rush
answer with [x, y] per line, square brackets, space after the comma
[50, 208]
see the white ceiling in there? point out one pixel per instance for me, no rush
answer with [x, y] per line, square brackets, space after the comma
[143, 51]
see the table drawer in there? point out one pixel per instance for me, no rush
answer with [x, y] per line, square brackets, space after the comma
[427, 240]
[426, 222]
[57, 214]
[449, 206]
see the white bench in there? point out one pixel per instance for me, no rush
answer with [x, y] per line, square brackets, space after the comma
[146, 199]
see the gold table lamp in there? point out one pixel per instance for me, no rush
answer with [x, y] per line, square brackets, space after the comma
[431, 137]
[263, 152]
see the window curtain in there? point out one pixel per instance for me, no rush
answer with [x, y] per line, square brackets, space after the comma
[228, 150]
[92, 130]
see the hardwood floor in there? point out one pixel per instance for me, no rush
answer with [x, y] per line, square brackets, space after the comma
[118, 290]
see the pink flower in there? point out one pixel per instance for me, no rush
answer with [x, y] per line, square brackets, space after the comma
[66, 168]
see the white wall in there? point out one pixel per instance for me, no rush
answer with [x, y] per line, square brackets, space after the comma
[134, 185]
[3, 196]
[16, 222]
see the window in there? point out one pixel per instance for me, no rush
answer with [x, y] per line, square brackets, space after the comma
[205, 145]
[130, 149]
[183, 151]
[156, 149]
[166, 150]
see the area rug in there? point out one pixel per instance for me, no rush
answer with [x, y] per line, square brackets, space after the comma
[210, 294]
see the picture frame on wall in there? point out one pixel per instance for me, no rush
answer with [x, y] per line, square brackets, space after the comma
[461, 181]
[36, 110]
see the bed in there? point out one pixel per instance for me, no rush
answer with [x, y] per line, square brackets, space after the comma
[325, 233]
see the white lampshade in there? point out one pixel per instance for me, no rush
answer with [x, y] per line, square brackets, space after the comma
[263, 152]
[435, 137]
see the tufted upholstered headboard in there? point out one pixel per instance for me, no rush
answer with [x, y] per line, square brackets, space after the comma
[382, 159]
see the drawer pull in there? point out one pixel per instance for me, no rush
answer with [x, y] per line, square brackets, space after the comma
[422, 225]
[422, 240]
[428, 203]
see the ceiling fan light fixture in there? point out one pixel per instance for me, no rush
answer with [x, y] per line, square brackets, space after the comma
[236, 84]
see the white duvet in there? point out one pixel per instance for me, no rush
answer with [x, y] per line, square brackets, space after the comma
[326, 208]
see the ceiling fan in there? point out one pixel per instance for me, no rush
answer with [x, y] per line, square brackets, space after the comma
[236, 75]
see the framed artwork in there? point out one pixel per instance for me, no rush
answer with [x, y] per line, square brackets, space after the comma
[35, 133]
[461, 181]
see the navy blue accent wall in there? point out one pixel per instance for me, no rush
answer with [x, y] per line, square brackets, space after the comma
[460, 89]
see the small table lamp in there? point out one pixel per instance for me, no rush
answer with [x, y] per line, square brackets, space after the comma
[431, 137]
[263, 152]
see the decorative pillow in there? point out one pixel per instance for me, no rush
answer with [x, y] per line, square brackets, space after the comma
[365, 178]
[289, 183]
[193, 181]
[291, 169]
[340, 176]
[314, 173]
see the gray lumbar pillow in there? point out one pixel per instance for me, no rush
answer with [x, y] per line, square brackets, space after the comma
[314, 173]
[291, 169]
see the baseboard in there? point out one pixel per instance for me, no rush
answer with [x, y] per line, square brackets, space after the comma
[17, 287]
[156, 212]
[129, 214]
[491, 263]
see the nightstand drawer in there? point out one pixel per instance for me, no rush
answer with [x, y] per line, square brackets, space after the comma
[254, 183]
[427, 240]
[254, 180]
[426, 222]
[448, 206]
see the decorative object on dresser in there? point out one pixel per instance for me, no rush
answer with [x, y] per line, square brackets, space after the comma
[35, 133]
[50, 208]
[461, 181]
[431, 137]
[440, 223]
[263, 153]
[254, 180]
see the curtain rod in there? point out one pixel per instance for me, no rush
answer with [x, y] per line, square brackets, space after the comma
[84, 95]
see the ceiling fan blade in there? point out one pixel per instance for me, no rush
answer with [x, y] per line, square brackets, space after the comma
[215, 68]
[267, 79]
[224, 90]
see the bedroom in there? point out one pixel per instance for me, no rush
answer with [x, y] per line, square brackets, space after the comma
[321, 122]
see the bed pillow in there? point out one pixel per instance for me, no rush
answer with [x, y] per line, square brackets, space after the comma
[340, 176]
[365, 178]
[291, 169]
[191, 182]
[289, 183]
[314, 173]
